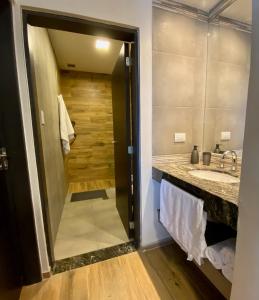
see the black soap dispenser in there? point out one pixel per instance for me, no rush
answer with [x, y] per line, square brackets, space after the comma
[195, 155]
[217, 149]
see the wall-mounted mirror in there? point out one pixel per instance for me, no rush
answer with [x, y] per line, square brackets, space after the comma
[228, 68]
[201, 66]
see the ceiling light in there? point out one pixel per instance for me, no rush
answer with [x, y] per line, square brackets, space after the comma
[102, 44]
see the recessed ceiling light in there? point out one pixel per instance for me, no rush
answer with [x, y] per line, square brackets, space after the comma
[102, 44]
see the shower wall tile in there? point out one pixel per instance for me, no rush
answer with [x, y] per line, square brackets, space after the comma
[46, 77]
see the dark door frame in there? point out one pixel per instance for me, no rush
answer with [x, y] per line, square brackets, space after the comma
[17, 180]
[84, 26]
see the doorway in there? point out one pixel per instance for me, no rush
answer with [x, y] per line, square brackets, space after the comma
[93, 202]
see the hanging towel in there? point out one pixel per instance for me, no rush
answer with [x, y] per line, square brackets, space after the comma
[67, 132]
[222, 253]
[183, 216]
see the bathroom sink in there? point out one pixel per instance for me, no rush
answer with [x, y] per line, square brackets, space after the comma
[214, 176]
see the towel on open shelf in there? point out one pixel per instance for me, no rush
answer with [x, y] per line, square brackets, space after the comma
[182, 215]
[227, 271]
[222, 253]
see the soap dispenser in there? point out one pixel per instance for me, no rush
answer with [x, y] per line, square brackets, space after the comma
[195, 155]
[217, 149]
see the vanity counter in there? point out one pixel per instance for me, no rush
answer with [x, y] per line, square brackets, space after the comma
[220, 199]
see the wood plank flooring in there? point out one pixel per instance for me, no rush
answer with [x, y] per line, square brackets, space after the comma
[161, 273]
[91, 185]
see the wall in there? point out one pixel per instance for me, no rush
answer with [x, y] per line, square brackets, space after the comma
[179, 77]
[46, 78]
[227, 86]
[135, 13]
[200, 84]
[246, 273]
[88, 98]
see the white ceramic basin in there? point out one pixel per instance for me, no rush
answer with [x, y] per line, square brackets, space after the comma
[214, 176]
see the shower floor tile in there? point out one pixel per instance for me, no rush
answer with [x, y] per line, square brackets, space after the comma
[88, 226]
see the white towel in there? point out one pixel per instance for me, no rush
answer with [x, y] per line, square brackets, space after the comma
[183, 216]
[227, 271]
[222, 253]
[67, 132]
[228, 252]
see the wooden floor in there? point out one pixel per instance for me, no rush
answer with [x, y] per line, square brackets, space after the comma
[161, 273]
[90, 185]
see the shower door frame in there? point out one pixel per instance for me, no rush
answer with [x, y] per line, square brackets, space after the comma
[76, 24]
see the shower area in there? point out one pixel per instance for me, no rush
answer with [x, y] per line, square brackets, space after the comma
[80, 174]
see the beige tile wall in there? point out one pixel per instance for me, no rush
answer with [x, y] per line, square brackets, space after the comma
[179, 75]
[200, 83]
[227, 86]
[46, 78]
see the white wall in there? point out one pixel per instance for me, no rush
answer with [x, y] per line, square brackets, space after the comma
[136, 13]
[246, 274]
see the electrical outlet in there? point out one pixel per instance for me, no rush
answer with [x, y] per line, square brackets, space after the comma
[225, 136]
[179, 137]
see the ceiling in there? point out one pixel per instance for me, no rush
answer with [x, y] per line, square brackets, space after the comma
[79, 50]
[240, 10]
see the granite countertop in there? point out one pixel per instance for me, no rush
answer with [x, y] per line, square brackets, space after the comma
[220, 199]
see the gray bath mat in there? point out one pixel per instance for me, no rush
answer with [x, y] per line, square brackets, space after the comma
[89, 195]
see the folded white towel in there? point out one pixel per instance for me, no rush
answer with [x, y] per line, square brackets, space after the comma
[67, 132]
[183, 216]
[228, 252]
[222, 253]
[213, 255]
[227, 271]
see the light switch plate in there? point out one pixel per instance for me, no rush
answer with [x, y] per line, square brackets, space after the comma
[42, 118]
[179, 137]
[225, 136]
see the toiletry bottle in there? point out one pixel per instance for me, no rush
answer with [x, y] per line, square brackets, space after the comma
[195, 155]
[217, 149]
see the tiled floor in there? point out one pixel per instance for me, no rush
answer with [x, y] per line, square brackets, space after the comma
[89, 225]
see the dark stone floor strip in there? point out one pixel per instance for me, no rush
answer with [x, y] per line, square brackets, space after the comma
[78, 261]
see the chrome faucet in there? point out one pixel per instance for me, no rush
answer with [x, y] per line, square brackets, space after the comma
[234, 159]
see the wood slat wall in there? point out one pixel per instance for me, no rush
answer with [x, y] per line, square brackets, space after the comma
[88, 98]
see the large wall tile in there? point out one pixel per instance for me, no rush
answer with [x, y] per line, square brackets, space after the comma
[178, 81]
[175, 33]
[229, 45]
[218, 120]
[46, 77]
[227, 85]
[186, 81]
[168, 121]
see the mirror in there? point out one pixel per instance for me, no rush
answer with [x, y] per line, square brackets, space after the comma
[201, 72]
[228, 69]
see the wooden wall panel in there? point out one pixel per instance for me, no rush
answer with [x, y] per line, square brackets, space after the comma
[88, 98]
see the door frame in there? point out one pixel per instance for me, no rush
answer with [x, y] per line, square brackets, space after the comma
[17, 175]
[84, 26]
